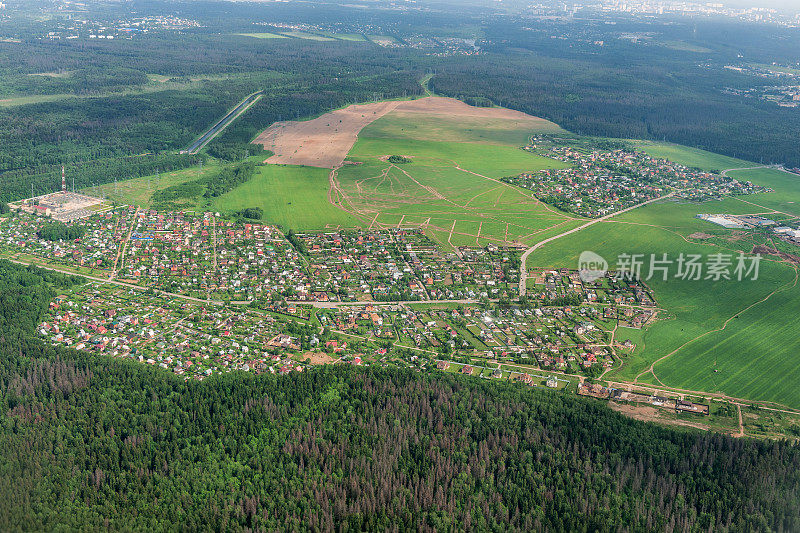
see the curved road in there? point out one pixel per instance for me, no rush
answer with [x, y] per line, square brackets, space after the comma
[523, 269]
[725, 172]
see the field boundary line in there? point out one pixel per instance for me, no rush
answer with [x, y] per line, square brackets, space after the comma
[523, 278]
[651, 369]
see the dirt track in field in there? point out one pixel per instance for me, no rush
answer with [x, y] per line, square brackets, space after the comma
[325, 141]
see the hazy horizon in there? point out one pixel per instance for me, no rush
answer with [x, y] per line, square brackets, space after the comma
[775, 4]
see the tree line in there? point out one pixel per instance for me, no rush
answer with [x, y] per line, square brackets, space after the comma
[93, 442]
[106, 130]
[625, 91]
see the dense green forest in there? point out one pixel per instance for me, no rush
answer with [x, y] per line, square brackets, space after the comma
[627, 90]
[92, 442]
[136, 127]
[125, 108]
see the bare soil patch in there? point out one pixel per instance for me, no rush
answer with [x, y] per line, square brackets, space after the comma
[321, 142]
[761, 249]
[652, 414]
[736, 236]
[318, 358]
[639, 412]
[325, 141]
[766, 250]
[450, 107]
[700, 235]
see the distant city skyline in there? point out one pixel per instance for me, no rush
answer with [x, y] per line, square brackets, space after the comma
[790, 5]
[780, 5]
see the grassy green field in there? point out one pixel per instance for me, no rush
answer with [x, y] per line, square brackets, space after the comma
[306, 35]
[489, 160]
[34, 99]
[707, 347]
[263, 35]
[786, 186]
[683, 46]
[158, 83]
[291, 196]
[451, 187]
[139, 191]
[460, 129]
[344, 36]
[383, 40]
[777, 68]
[785, 199]
[316, 36]
[691, 157]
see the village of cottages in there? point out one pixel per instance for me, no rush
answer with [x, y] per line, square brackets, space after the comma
[198, 294]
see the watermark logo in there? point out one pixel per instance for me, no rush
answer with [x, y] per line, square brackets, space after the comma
[591, 266]
[688, 267]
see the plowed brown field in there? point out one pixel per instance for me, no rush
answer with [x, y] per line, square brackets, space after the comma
[325, 141]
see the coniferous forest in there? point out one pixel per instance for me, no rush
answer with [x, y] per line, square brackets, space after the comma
[126, 108]
[93, 442]
[88, 442]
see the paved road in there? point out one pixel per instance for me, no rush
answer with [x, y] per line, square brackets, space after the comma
[523, 269]
[222, 124]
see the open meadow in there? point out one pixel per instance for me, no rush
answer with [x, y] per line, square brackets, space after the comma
[786, 198]
[325, 141]
[293, 197]
[140, 191]
[448, 183]
[446, 180]
[691, 157]
[724, 336]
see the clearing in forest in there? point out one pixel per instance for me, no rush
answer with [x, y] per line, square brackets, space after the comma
[325, 141]
[448, 179]
[450, 183]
